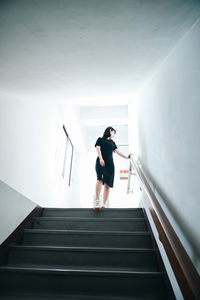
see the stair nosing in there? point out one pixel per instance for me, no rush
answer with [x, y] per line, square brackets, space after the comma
[88, 219]
[79, 249]
[70, 271]
[91, 209]
[65, 231]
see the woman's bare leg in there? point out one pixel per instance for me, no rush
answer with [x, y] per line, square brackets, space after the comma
[105, 193]
[98, 188]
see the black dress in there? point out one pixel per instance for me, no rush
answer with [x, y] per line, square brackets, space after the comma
[106, 173]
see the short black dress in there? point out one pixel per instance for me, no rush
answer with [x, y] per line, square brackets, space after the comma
[106, 173]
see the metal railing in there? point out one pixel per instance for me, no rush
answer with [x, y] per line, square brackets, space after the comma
[132, 174]
[184, 270]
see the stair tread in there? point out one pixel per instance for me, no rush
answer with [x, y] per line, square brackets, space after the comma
[91, 209]
[73, 297]
[95, 249]
[110, 219]
[67, 231]
[71, 271]
[83, 268]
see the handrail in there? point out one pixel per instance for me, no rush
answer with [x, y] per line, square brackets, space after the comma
[184, 270]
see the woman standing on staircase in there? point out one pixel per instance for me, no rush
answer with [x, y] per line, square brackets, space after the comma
[104, 165]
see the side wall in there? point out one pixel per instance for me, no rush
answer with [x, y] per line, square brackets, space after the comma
[14, 209]
[32, 144]
[169, 139]
[31, 159]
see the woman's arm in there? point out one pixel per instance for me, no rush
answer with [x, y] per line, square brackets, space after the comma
[122, 155]
[102, 162]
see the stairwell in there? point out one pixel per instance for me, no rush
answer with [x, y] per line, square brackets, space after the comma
[79, 254]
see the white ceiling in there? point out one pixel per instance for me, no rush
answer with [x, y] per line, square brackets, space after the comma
[87, 50]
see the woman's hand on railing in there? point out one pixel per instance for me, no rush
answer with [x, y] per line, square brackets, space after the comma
[129, 156]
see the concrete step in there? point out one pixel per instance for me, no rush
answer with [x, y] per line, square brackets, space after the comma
[66, 223]
[14, 296]
[90, 213]
[80, 257]
[81, 238]
[41, 281]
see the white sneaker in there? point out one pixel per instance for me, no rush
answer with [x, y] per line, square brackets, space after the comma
[97, 204]
[103, 205]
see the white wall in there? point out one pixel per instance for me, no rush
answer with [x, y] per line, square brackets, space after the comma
[169, 139]
[31, 159]
[30, 152]
[133, 127]
[14, 209]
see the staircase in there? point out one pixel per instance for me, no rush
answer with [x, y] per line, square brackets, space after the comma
[78, 254]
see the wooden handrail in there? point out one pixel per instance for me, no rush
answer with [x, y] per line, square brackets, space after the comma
[184, 270]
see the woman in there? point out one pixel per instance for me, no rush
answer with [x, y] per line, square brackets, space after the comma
[104, 164]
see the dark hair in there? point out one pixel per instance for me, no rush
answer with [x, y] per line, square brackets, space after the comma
[107, 132]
